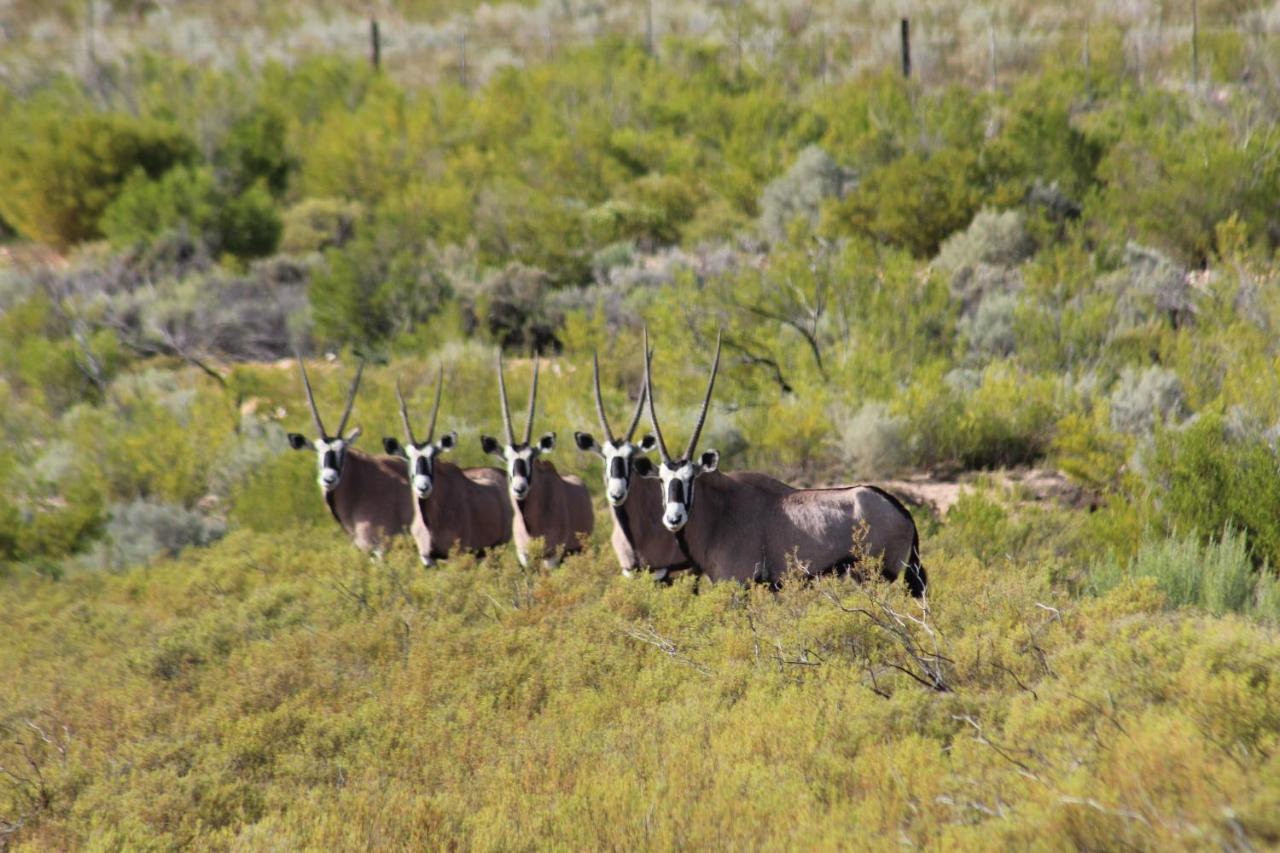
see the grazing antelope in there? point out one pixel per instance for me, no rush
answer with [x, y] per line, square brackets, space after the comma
[544, 504]
[366, 494]
[746, 526]
[453, 507]
[639, 539]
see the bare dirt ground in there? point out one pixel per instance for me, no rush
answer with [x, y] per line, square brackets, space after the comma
[1028, 485]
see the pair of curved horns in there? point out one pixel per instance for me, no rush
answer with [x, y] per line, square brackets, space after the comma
[702, 413]
[435, 409]
[311, 399]
[604, 421]
[506, 407]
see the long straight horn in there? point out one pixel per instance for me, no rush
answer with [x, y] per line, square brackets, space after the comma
[533, 402]
[595, 378]
[311, 397]
[351, 399]
[435, 407]
[647, 392]
[506, 409]
[404, 415]
[706, 403]
[644, 392]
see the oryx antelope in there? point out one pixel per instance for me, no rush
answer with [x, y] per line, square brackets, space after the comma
[639, 539]
[544, 504]
[747, 526]
[453, 507]
[368, 495]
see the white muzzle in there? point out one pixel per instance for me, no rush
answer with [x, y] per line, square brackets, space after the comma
[519, 488]
[616, 491]
[422, 486]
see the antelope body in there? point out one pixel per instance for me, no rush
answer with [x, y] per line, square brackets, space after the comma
[749, 527]
[544, 504]
[453, 507]
[367, 495]
[639, 540]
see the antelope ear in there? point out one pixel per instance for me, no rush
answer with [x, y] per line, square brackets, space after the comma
[586, 442]
[297, 441]
[449, 441]
[490, 445]
[710, 460]
[648, 443]
[353, 435]
[547, 443]
[393, 447]
[644, 466]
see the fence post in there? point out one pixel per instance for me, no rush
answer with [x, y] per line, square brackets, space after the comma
[822, 54]
[991, 47]
[462, 57]
[1195, 44]
[1088, 80]
[375, 44]
[648, 26]
[906, 48]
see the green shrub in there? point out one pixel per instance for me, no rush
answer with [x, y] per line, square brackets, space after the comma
[315, 224]
[914, 202]
[1217, 575]
[141, 531]
[799, 192]
[248, 225]
[245, 225]
[1141, 400]
[61, 178]
[182, 198]
[995, 238]
[1203, 479]
[255, 150]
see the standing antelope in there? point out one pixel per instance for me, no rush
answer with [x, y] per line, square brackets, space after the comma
[544, 504]
[462, 507]
[366, 494]
[639, 539]
[747, 526]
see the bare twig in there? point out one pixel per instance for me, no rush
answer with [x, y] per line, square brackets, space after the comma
[647, 634]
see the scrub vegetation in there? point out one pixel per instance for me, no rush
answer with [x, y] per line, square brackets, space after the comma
[1070, 268]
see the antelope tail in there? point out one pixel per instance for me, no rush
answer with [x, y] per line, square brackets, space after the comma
[916, 577]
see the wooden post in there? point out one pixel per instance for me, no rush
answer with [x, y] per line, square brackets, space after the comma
[991, 47]
[648, 26]
[1195, 44]
[822, 54]
[906, 48]
[462, 58]
[375, 44]
[93, 38]
[1088, 79]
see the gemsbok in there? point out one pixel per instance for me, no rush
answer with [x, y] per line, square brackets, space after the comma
[639, 539]
[544, 505]
[368, 495]
[749, 527]
[454, 507]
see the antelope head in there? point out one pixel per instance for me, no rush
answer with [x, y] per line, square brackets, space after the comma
[518, 456]
[331, 450]
[678, 474]
[621, 457]
[421, 455]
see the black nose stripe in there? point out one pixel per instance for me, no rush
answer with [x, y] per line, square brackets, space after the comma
[618, 468]
[330, 459]
[520, 468]
[675, 492]
[420, 467]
